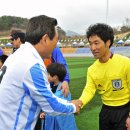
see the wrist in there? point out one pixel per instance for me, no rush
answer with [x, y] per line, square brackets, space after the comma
[66, 80]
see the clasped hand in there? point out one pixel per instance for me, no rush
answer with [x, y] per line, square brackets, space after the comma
[78, 104]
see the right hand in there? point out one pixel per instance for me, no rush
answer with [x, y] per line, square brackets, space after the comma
[78, 104]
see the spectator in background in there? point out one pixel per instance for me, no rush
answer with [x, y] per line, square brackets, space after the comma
[17, 39]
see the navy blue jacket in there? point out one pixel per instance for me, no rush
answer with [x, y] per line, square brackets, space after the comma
[57, 56]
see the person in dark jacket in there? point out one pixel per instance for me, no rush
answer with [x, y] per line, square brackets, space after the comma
[17, 39]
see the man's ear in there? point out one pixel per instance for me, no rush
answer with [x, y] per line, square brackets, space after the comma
[44, 38]
[108, 43]
[18, 39]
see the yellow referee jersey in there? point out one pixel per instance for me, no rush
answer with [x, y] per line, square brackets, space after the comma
[110, 79]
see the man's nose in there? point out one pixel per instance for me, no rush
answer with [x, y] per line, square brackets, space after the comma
[93, 47]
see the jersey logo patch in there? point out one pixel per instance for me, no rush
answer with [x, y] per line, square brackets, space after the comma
[117, 83]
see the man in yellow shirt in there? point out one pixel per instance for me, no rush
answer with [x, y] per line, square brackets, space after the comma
[110, 76]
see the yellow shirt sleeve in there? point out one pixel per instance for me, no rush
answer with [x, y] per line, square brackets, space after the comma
[89, 90]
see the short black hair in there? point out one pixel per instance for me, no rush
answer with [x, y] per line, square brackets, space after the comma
[102, 30]
[17, 35]
[39, 26]
[3, 58]
[57, 69]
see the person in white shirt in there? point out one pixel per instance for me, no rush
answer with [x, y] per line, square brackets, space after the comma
[24, 89]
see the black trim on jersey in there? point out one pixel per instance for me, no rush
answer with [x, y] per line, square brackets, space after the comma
[2, 72]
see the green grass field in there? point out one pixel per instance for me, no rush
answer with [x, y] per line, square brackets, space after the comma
[88, 117]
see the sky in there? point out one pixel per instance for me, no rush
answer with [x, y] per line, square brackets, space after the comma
[74, 15]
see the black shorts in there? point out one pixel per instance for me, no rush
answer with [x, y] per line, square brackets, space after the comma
[113, 118]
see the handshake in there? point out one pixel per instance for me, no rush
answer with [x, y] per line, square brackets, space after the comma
[78, 103]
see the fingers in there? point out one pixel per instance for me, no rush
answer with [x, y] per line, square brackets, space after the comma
[65, 92]
[78, 105]
[65, 88]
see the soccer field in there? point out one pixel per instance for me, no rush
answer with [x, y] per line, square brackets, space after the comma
[88, 117]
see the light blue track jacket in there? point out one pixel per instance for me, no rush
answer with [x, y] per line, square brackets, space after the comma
[25, 90]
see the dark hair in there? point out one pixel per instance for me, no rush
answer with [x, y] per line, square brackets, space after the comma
[57, 69]
[39, 26]
[15, 31]
[104, 31]
[3, 58]
[17, 35]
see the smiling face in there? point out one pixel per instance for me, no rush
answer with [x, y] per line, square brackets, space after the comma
[99, 49]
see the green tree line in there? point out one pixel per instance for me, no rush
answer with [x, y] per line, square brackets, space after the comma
[8, 22]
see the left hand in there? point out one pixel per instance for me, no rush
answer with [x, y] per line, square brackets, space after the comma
[128, 123]
[65, 88]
